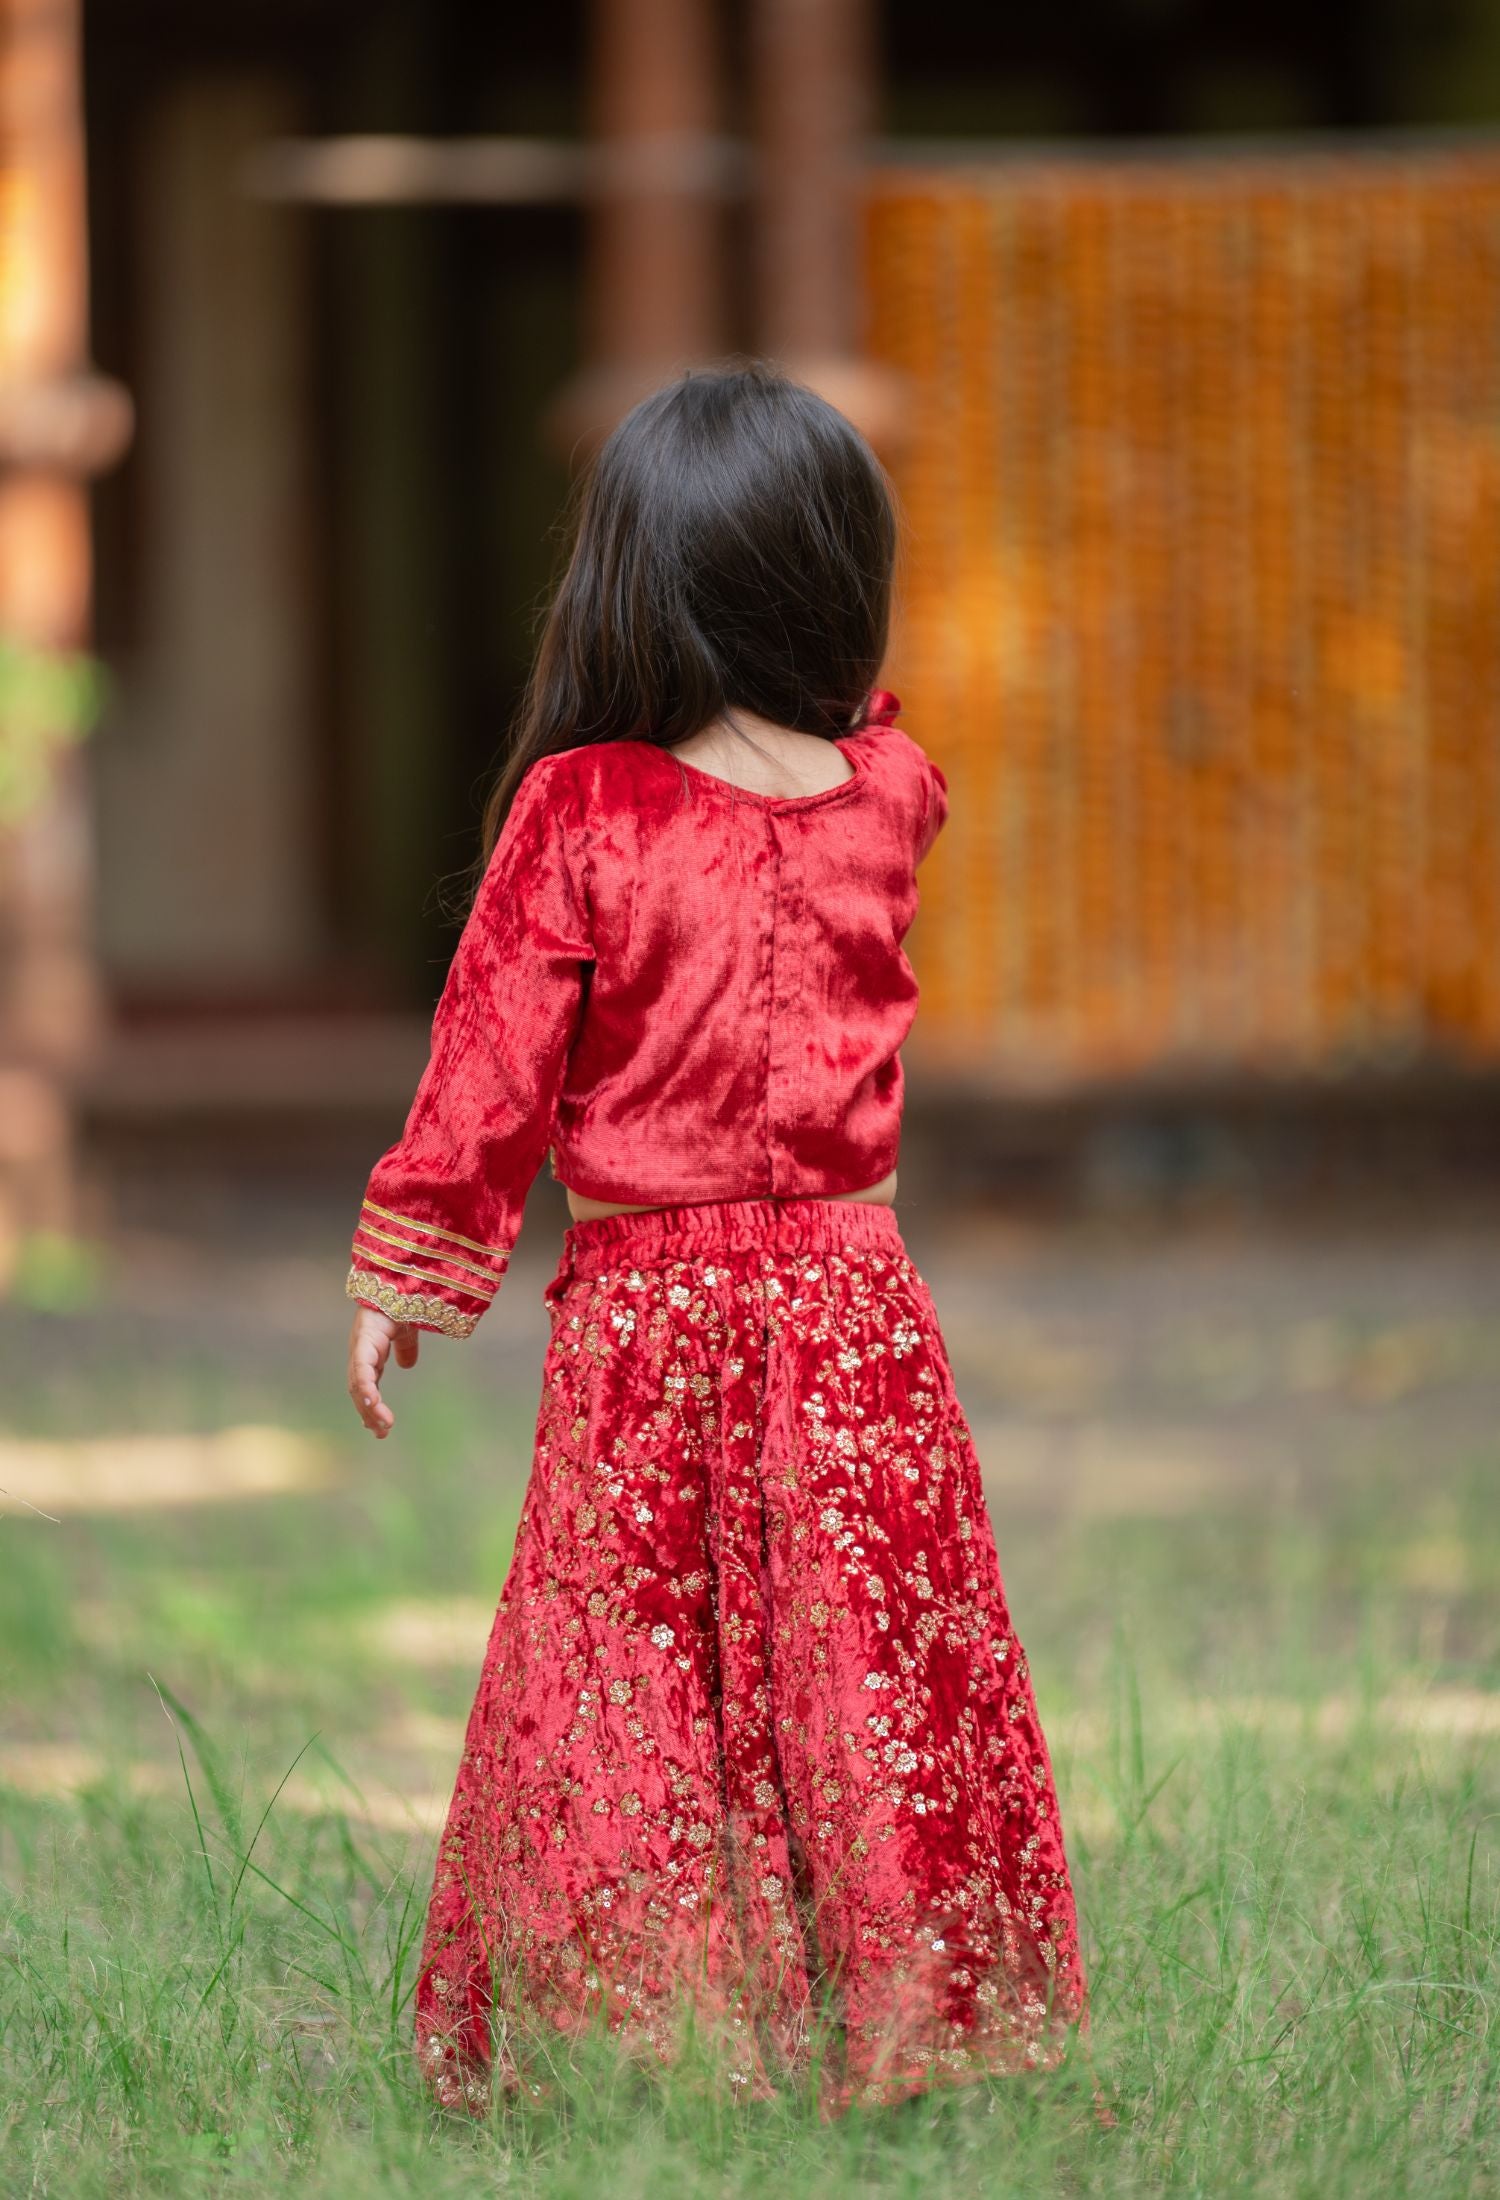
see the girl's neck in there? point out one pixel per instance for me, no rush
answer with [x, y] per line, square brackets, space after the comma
[754, 753]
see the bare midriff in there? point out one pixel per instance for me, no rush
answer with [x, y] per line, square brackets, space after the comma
[591, 1210]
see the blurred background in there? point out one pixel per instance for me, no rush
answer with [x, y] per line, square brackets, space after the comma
[1178, 328]
[1178, 325]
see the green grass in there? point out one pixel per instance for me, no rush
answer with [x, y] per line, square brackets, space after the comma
[1273, 1732]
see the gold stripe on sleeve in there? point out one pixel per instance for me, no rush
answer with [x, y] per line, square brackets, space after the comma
[425, 1275]
[434, 1229]
[368, 1229]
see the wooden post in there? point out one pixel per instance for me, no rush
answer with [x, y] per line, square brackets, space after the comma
[653, 187]
[58, 423]
[814, 95]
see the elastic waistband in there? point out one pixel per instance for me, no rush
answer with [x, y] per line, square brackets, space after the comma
[730, 1226]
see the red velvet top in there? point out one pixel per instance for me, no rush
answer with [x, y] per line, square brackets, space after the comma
[691, 992]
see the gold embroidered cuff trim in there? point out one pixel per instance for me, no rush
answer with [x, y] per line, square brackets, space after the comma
[424, 1275]
[433, 1252]
[433, 1229]
[405, 1306]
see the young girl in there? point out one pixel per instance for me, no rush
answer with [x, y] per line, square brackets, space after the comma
[754, 1735]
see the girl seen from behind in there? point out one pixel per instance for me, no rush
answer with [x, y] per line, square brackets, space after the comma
[754, 1740]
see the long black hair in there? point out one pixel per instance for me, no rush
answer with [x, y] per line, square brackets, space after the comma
[733, 548]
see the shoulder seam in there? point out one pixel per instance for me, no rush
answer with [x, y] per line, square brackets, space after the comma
[573, 814]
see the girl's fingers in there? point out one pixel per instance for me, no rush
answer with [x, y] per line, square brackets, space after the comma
[368, 1349]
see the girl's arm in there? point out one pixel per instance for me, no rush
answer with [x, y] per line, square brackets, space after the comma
[442, 1207]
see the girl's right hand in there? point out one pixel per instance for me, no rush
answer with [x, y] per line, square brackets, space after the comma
[370, 1343]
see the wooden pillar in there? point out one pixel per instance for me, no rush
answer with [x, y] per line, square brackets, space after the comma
[814, 79]
[58, 424]
[653, 192]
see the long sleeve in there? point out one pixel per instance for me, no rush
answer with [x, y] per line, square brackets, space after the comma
[443, 1205]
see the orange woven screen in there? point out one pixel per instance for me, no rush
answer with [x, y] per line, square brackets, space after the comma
[1202, 607]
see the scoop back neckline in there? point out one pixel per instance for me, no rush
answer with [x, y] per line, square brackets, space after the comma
[842, 742]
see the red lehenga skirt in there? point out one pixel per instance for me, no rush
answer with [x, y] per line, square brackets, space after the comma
[755, 1743]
